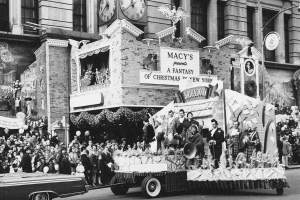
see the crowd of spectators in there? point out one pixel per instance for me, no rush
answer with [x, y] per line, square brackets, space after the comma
[33, 151]
[288, 135]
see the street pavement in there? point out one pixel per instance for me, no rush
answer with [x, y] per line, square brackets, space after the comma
[292, 193]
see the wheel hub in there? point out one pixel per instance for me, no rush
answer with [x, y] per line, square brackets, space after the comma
[152, 187]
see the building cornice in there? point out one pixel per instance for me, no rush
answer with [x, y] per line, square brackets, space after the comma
[57, 43]
[123, 24]
[194, 35]
[19, 38]
[283, 66]
[166, 32]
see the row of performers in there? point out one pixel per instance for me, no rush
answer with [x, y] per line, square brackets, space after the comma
[184, 129]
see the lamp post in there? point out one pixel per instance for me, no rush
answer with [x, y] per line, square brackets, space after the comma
[263, 28]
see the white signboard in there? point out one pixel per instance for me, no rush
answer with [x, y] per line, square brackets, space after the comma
[162, 78]
[179, 62]
[11, 123]
[90, 98]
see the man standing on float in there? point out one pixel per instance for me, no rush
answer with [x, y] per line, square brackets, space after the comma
[216, 138]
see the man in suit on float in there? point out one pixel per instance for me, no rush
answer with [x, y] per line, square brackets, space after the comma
[181, 126]
[216, 139]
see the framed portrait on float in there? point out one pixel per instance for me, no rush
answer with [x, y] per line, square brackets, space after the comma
[249, 67]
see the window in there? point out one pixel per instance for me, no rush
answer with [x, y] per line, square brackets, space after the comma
[29, 14]
[4, 16]
[250, 22]
[287, 38]
[221, 19]
[176, 3]
[199, 16]
[95, 70]
[79, 15]
[267, 15]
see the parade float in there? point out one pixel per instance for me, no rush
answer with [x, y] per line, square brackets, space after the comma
[167, 171]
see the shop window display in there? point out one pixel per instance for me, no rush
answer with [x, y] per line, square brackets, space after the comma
[95, 70]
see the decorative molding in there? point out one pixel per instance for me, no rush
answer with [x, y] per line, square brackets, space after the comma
[57, 43]
[110, 30]
[123, 24]
[131, 28]
[241, 40]
[194, 35]
[95, 51]
[224, 41]
[166, 32]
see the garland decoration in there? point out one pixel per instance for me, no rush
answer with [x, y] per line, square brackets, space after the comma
[37, 122]
[105, 117]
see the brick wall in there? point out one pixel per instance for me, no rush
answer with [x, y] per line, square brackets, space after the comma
[59, 82]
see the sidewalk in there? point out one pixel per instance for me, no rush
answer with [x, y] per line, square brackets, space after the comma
[293, 167]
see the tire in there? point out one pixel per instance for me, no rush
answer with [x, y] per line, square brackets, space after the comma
[118, 189]
[151, 187]
[279, 191]
[41, 196]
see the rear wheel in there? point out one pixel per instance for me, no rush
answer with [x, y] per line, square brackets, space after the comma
[41, 196]
[151, 187]
[118, 189]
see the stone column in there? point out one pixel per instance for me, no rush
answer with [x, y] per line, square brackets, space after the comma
[212, 25]
[279, 28]
[91, 15]
[56, 14]
[15, 16]
[257, 37]
[295, 34]
[186, 22]
[235, 18]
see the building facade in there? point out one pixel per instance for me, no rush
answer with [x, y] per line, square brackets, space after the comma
[43, 50]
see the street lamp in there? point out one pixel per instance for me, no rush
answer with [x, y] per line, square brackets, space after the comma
[263, 28]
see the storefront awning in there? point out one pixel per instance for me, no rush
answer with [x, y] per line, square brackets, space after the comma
[92, 49]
